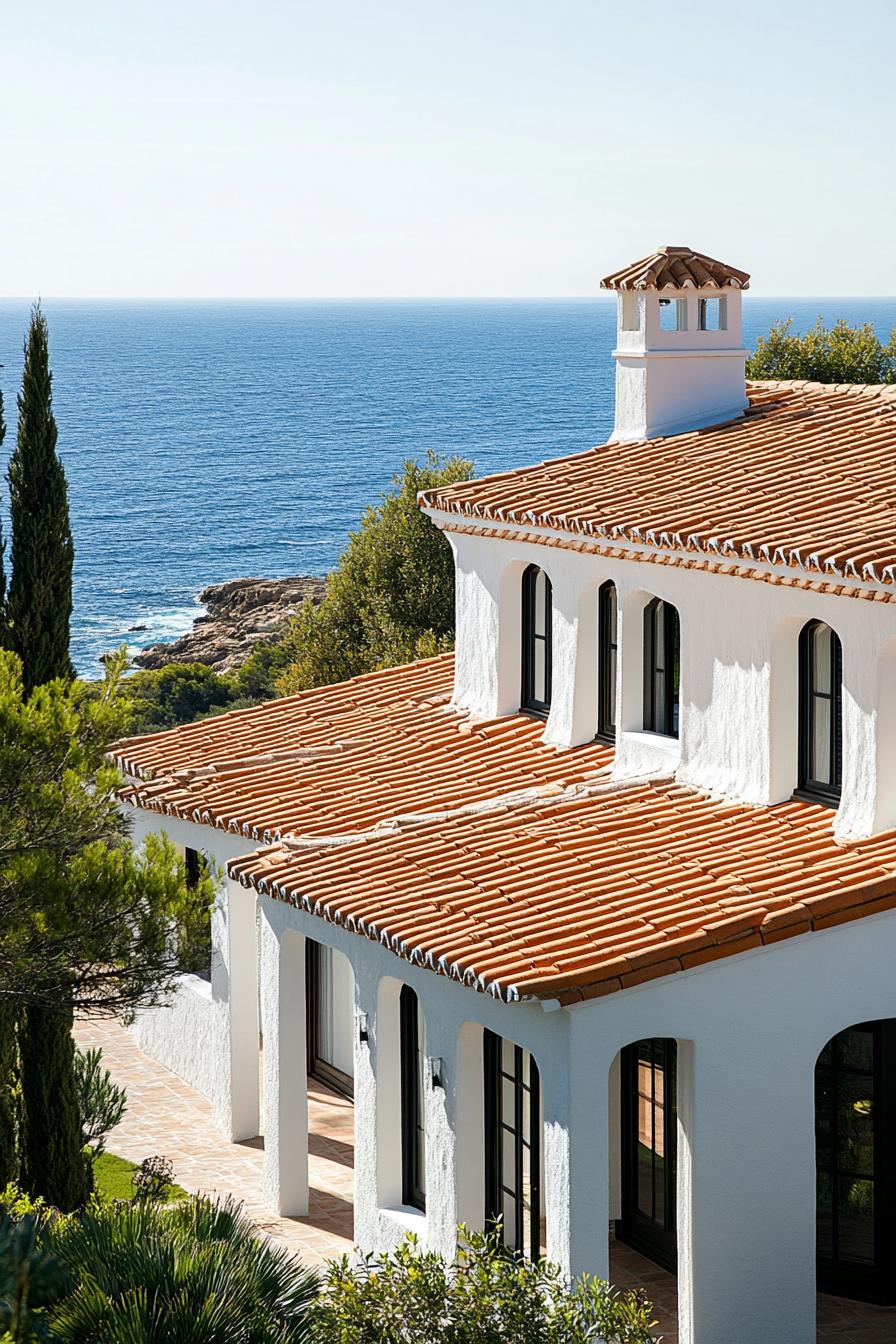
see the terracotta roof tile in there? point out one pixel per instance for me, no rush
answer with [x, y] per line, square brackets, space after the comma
[676, 268]
[346, 758]
[803, 479]
[576, 898]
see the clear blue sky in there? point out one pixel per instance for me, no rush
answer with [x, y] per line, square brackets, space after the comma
[474, 147]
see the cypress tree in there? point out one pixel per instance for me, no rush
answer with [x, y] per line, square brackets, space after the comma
[38, 611]
[39, 601]
[8, 1160]
[51, 1161]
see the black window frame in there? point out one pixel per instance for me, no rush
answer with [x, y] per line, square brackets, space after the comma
[607, 655]
[525, 1093]
[528, 700]
[820, 791]
[413, 1124]
[317, 1066]
[662, 685]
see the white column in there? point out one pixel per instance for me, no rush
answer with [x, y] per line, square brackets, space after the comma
[235, 982]
[577, 1179]
[746, 1191]
[453, 1118]
[367, 1064]
[285, 1066]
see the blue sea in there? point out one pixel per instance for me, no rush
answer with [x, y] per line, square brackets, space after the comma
[212, 440]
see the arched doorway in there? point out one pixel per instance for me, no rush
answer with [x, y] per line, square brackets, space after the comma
[855, 1151]
[649, 1122]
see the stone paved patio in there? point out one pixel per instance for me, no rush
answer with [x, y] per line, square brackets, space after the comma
[167, 1117]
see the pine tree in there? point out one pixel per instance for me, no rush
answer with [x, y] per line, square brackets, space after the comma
[39, 601]
[51, 1161]
[38, 612]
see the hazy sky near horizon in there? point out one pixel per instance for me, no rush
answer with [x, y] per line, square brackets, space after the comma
[291, 148]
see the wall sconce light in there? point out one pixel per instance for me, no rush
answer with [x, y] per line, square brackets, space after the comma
[435, 1071]
[363, 1029]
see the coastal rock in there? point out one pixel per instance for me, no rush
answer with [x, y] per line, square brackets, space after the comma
[239, 614]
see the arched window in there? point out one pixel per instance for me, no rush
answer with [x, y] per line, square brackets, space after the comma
[606, 662]
[661, 668]
[413, 1123]
[536, 689]
[821, 713]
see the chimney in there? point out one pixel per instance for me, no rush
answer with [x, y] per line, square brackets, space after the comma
[679, 357]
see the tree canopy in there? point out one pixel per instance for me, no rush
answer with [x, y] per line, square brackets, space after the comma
[84, 917]
[838, 354]
[390, 598]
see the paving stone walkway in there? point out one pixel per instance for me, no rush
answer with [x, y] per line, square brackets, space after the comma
[168, 1118]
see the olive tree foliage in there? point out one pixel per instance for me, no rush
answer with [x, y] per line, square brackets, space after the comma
[85, 918]
[485, 1295]
[838, 354]
[390, 598]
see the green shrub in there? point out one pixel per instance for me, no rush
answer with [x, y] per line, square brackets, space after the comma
[144, 1273]
[487, 1295]
[101, 1102]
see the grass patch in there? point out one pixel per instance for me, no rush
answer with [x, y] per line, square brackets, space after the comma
[112, 1179]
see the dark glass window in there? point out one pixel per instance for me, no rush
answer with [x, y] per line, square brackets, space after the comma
[821, 712]
[512, 1144]
[662, 668]
[536, 688]
[413, 1129]
[195, 866]
[606, 659]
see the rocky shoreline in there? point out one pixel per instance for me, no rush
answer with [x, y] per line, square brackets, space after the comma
[239, 614]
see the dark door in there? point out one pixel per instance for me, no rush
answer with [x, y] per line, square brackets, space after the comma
[512, 1144]
[855, 1153]
[649, 1123]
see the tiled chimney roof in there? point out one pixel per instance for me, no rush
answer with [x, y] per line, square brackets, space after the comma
[676, 268]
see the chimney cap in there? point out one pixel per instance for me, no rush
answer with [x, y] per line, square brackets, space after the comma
[677, 268]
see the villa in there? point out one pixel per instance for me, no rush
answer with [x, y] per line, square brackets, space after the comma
[595, 919]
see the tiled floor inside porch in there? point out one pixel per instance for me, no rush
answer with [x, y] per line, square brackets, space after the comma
[839, 1321]
[166, 1117]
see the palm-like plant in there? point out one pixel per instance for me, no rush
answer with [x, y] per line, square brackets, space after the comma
[194, 1273]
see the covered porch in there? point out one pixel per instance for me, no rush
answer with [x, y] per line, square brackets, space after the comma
[167, 1117]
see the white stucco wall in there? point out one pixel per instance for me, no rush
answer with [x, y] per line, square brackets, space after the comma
[191, 1033]
[739, 638]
